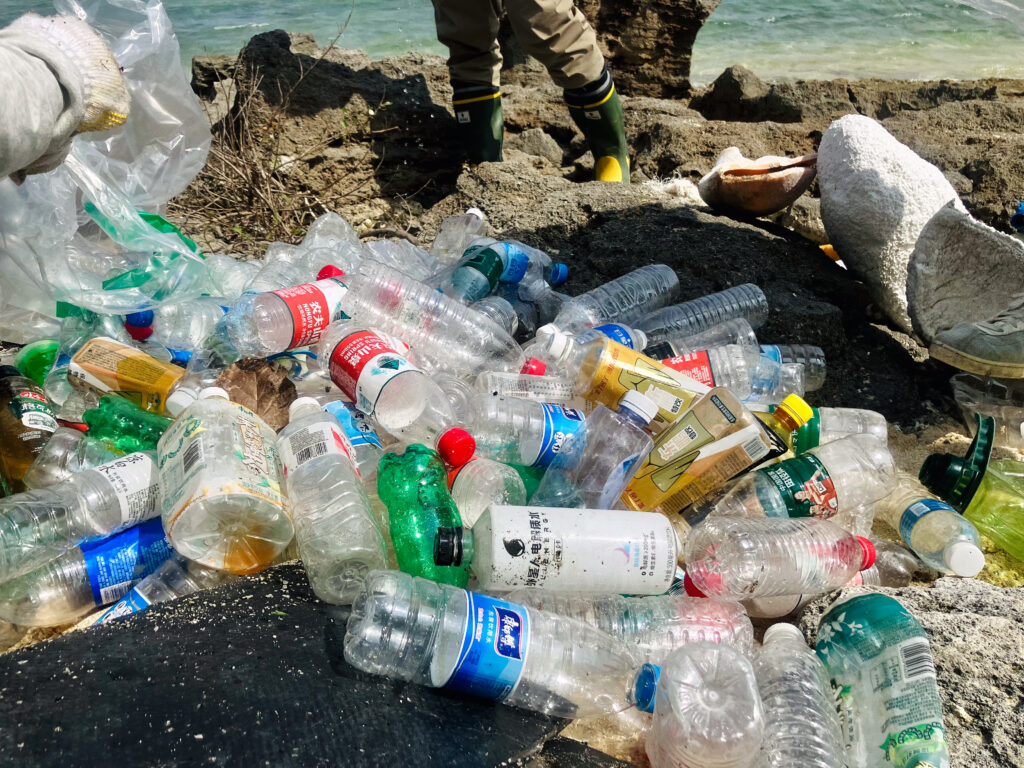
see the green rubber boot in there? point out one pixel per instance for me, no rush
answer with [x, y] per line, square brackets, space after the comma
[480, 123]
[602, 126]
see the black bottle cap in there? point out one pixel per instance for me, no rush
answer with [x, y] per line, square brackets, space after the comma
[661, 350]
[448, 546]
[8, 370]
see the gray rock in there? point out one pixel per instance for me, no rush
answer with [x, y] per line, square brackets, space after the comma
[876, 197]
[535, 141]
[735, 94]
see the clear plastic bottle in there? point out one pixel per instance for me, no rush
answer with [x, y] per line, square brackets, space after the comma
[831, 424]
[39, 526]
[229, 276]
[202, 370]
[810, 357]
[186, 325]
[656, 624]
[330, 230]
[335, 528]
[597, 463]
[620, 300]
[66, 453]
[445, 637]
[943, 538]
[362, 436]
[737, 558]
[451, 336]
[477, 274]
[690, 317]
[833, 481]
[403, 256]
[707, 711]
[479, 483]
[878, 658]
[736, 331]
[75, 331]
[500, 311]
[177, 577]
[566, 550]
[545, 301]
[99, 572]
[540, 389]
[456, 234]
[282, 266]
[801, 726]
[771, 381]
[729, 366]
[515, 431]
[222, 500]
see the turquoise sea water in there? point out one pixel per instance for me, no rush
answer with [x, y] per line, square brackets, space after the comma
[923, 39]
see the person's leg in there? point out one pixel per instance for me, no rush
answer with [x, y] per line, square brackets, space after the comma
[558, 34]
[469, 29]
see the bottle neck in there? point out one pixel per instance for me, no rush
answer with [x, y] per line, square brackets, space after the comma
[633, 417]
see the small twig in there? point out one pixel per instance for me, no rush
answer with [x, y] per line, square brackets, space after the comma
[391, 232]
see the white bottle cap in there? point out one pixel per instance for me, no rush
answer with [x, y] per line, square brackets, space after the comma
[209, 392]
[556, 343]
[964, 559]
[783, 630]
[179, 400]
[302, 402]
[475, 212]
[640, 404]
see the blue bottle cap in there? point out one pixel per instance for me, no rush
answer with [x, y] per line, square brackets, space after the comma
[646, 687]
[559, 274]
[142, 319]
[180, 356]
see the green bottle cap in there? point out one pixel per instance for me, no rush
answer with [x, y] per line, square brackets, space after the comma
[808, 435]
[36, 359]
[955, 480]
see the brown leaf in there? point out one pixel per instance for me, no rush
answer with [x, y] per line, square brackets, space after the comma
[262, 387]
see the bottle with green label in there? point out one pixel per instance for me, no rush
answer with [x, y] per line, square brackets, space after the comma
[26, 424]
[988, 492]
[881, 668]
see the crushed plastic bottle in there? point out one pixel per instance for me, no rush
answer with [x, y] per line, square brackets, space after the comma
[456, 234]
[690, 317]
[66, 453]
[183, 326]
[125, 428]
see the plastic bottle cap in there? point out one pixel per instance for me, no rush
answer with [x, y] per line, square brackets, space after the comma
[36, 359]
[209, 392]
[557, 343]
[796, 408]
[559, 274]
[534, 367]
[142, 319]
[691, 588]
[868, 550]
[179, 400]
[8, 370]
[138, 334]
[955, 480]
[456, 447]
[299, 403]
[475, 212]
[646, 687]
[448, 546]
[329, 271]
[782, 630]
[640, 404]
[964, 559]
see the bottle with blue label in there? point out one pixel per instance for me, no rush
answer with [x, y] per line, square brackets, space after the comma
[365, 442]
[98, 572]
[515, 431]
[437, 635]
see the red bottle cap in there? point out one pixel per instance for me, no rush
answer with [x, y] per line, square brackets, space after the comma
[74, 425]
[456, 447]
[534, 367]
[691, 588]
[329, 271]
[868, 553]
[139, 334]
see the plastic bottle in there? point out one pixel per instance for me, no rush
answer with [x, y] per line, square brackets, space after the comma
[707, 711]
[366, 444]
[810, 357]
[222, 500]
[35, 360]
[39, 526]
[735, 332]
[121, 425]
[727, 366]
[566, 550]
[656, 624]
[937, 533]
[181, 325]
[403, 256]
[282, 266]
[66, 453]
[515, 431]
[690, 317]
[500, 311]
[176, 577]
[736, 558]
[335, 529]
[431, 634]
[801, 726]
[540, 389]
[480, 483]
[481, 268]
[878, 658]
[229, 276]
[262, 324]
[833, 481]
[414, 488]
[105, 365]
[96, 573]
[771, 381]
[453, 337]
[829, 424]
[77, 328]
[26, 424]
[597, 463]
[202, 370]
[620, 300]
[455, 235]
[330, 230]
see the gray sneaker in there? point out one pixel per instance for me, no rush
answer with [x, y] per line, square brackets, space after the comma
[993, 347]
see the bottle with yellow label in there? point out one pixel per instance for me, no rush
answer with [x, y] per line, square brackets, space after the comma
[106, 365]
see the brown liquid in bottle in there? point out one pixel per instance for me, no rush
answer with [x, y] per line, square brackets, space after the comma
[26, 424]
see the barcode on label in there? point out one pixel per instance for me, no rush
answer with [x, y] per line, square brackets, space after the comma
[917, 660]
[755, 449]
[192, 455]
[310, 452]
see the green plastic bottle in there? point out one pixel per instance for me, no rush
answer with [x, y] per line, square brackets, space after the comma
[124, 427]
[414, 487]
[988, 492]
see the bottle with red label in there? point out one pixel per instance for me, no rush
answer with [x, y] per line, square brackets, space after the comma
[262, 324]
[26, 424]
[336, 532]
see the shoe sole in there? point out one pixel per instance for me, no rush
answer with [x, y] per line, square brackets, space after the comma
[976, 365]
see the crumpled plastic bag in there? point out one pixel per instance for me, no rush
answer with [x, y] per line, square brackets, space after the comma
[51, 249]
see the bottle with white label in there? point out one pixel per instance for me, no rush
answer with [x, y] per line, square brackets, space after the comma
[481, 482]
[98, 572]
[222, 499]
[262, 324]
[943, 538]
[455, 235]
[515, 431]
[595, 466]
[656, 624]
[39, 526]
[540, 389]
[880, 663]
[176, 577]
[26, 425]
[335, 529]
[66, 453]
[621, 300]
[438, 635]
[565, 550]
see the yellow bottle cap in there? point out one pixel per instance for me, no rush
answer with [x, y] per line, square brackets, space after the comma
[796, 408]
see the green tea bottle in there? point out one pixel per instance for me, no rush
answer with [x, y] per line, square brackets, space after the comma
[26, 424]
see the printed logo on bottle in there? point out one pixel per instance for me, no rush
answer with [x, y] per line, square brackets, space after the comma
[362, 363]
[494, 648]
[358, 428]
[312, 307]
[806, 488]
[696, 365]
[114, 564]
[559, 423]
[615, 332]
[33, 410]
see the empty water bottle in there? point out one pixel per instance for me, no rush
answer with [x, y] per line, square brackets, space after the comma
[403, 256]
[737, 558]
[480, 483]
[477, 274]
[366, 444]
[540, 389]
[690, 317]
[184, 325]
[456, 234]
[771, 381]
[229, 276]
[445, 637]
[811, 358]
[515, 431]
[66, 453]
[830, 424]
[335, 528]
[38, 526]
[801, 726]
[500, 311]
[707, 712]
[729, 366]
[737, 332]
[621, 300]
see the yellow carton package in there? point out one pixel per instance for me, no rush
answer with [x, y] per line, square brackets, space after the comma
[106, 365]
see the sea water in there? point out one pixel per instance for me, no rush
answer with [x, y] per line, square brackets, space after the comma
[777, 39]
